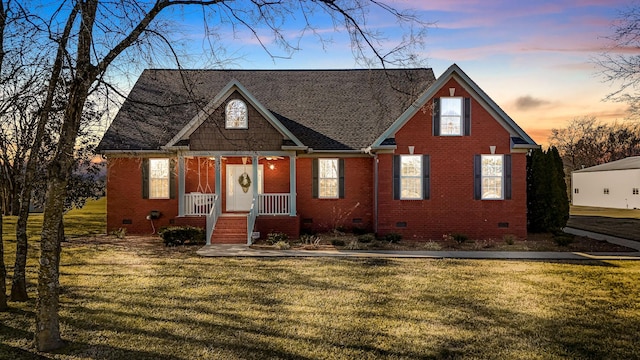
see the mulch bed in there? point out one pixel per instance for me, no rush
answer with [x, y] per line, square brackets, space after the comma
[534, 242]
[154, 246]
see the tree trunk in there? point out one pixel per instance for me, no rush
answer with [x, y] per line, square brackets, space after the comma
[47, 336]
[3, 272]
[19, 281]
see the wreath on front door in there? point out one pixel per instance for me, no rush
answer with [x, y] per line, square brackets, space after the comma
[245, 181]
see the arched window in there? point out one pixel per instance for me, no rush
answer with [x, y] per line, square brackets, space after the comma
[236, 115]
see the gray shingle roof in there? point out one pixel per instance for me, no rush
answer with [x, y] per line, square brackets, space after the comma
[324, 109]
[629, 163]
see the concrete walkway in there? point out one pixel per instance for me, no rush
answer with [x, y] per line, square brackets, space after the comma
[220, 250]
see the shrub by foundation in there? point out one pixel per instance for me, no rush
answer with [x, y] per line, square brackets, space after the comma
[273, 238]
[393, 238]
[180, 235]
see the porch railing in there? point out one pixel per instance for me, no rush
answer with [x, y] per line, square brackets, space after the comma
[199, 203]
[212, 217]
[273, 204]
[251, 220]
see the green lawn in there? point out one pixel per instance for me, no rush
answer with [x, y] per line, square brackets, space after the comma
[128, 302]
[605, 212]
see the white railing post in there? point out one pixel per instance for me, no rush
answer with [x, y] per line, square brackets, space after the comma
[251, 219]
[292, 186]
[212, 218]
[198, 204]
[181, 177]
[274, 204]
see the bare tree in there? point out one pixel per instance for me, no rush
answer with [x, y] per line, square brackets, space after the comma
[587, 142]
[3, 270]
[620, 64]
[104, 31]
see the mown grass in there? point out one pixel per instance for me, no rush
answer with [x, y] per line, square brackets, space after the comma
[140, 303]
[624, 223]
[605, 212]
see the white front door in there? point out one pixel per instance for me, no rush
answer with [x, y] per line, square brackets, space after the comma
[240, 186]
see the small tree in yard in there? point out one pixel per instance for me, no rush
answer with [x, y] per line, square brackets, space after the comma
[547, 200]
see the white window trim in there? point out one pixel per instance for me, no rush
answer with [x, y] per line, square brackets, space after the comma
[227, 125]
[483, 176]
[151, 179]
[461, 118]
[419, 177]
[337, 178]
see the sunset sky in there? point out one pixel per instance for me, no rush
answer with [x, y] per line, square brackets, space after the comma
[535, 59]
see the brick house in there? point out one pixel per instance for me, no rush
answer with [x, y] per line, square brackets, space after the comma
[386, 151]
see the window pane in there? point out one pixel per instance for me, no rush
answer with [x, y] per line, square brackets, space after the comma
[450, 126]
[158, 178]
[328, 188]
[411, 165]
[329, 168]
[411, 188]
[492, 188]
[492, 165]
[451, 106]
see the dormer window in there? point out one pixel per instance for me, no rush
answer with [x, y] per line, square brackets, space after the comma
[236, 115]
[451, 116]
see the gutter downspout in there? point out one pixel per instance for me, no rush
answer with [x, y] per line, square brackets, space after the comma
[374, 156]
[375, 193]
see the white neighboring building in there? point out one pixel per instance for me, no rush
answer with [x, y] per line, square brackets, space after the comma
[611, 185]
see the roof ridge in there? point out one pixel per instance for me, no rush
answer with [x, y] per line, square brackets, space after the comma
[294, 70]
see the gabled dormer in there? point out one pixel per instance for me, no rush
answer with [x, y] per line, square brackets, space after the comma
[235, 120]
[452, 113]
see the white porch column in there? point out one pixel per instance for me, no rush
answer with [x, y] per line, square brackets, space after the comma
[218, 165]
[292, 185]
[254, 170]
[181, 179]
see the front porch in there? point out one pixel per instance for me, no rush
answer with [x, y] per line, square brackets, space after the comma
[251, 187]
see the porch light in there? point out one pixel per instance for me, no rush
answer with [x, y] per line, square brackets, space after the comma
[272, 166]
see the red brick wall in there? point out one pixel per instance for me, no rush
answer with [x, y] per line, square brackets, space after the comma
[125, 202]
[355, 210]
[452, 208]
[124, 191]
[289, 225]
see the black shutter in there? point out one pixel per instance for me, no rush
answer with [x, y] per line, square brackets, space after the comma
[341, 178]
[172, 178]
[436, 117]
[396, 177]
[467, 116]
[314, 180]
[426, 177]
[145, 178]
[477, 177]
[507, 176]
